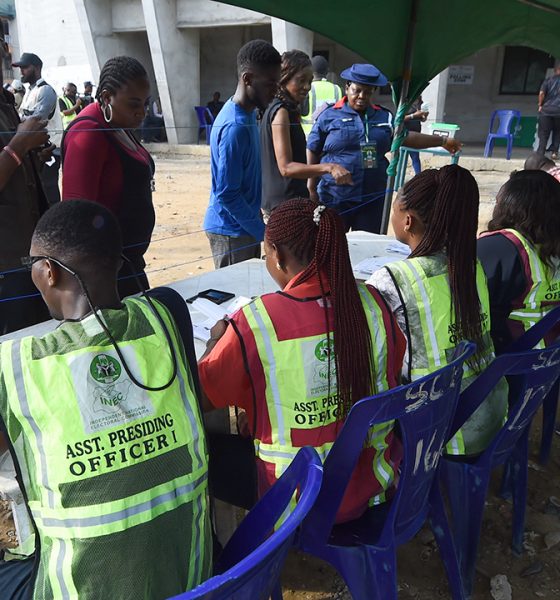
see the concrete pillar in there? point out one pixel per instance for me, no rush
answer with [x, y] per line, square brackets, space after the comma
[96, 23]
[434, 95]
[287, 36]
[176, 60]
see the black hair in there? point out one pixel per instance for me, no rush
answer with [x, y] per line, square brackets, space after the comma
[117, 72]
[293, 62]
[81, 233]
[529, 202]
[536, 161]
[257, 54]
[446, 201]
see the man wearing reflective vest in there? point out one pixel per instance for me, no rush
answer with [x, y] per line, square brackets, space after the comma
[322, 92]
[102, 421]
[69, 104]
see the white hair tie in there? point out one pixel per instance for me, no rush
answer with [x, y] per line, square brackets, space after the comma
[317, 214]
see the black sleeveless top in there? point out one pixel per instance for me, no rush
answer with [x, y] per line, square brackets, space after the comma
[275, 188]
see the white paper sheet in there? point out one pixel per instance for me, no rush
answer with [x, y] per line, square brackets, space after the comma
[370, 265]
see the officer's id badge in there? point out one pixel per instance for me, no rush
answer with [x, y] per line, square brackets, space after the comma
[369, 155]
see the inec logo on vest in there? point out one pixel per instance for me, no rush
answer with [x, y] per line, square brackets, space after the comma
[324, 349]
[105, 369]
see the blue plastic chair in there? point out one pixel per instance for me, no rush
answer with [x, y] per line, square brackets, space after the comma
[530, 375]
[205, 121]
[550, 404]
[508, 120]
[364, 551]
[251, 563]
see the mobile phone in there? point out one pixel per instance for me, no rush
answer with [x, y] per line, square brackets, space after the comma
[215, 296]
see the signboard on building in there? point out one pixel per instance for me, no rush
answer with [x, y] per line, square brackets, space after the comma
[461, 75]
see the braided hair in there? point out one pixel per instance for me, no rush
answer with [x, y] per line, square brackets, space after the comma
[322, 246]
[446, 201]
[117, 72]
[293, 62]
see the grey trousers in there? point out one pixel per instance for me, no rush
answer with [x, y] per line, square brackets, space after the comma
[228, 250]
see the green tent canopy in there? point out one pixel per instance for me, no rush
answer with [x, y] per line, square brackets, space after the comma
[412, 41]
[446, 31]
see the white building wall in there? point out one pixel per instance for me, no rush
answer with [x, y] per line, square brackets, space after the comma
[52, 31]
[471, 106]
[206, 13]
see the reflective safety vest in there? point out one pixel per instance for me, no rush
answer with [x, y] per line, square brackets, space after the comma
[67, 119]
[542, 293]
[115, 476]
[423, 285]
[288, 362]
[321, 92]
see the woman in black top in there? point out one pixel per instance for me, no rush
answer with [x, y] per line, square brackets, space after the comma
[283, 145]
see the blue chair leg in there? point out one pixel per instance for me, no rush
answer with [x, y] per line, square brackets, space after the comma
[550, 408]
[509, 146]
[518, 461]
[444, 539]
[488, 147]
[466, 487]
[277, 592]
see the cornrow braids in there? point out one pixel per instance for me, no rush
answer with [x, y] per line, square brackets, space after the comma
[323, 248]
[117, 72]
[446, 201]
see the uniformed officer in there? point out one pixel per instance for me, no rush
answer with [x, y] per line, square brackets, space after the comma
[357, 134]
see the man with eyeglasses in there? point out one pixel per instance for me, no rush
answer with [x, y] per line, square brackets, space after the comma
[22, 201]
[102, 420]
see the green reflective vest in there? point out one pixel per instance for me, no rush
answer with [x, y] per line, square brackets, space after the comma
[297, 394]
[67, 119]
[321, 92]
[543, 294]
[115, 476]
[423, 284]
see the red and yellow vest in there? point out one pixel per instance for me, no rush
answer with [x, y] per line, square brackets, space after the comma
[287, 354]
[542, 292]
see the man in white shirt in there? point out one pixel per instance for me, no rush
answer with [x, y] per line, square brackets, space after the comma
[40, 100]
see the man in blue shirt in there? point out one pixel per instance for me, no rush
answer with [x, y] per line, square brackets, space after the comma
[233, 221]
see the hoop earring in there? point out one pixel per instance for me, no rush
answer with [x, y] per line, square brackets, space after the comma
[109, 118]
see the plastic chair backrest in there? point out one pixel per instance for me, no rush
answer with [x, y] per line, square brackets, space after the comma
[506, 121]
[424, 410]
[540, 330]
[202, 112]
[251, 562]
[531, 375]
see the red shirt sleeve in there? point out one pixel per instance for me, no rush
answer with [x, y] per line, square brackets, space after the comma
[92, 169]
[223, 376]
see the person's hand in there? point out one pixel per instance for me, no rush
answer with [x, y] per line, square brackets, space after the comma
[452, 145]
[422, 115]
[30, 134]
[45, 154]
[78, 102]
[539, 109]
[340, 175]
[243, 424]
[218, 330]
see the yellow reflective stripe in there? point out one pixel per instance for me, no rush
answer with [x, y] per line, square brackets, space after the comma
[55, 569]
[265, 349]
[90, 521]
[384, 472]
[377, 332]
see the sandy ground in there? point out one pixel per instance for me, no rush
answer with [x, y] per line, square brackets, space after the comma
[180, 249]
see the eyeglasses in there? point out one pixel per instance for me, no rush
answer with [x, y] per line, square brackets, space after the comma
[29, 261]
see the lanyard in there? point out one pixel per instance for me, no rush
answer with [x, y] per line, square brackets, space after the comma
[367, 128]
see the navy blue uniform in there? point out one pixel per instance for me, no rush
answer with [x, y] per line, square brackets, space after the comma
[339, 136]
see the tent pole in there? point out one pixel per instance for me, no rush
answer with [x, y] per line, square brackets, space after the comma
[406, 77]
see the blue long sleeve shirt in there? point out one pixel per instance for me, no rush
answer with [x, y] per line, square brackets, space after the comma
[235, 198]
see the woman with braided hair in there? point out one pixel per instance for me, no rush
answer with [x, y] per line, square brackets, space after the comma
[283, 145]
[297, 360]
[104, 162]
[439, 294]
